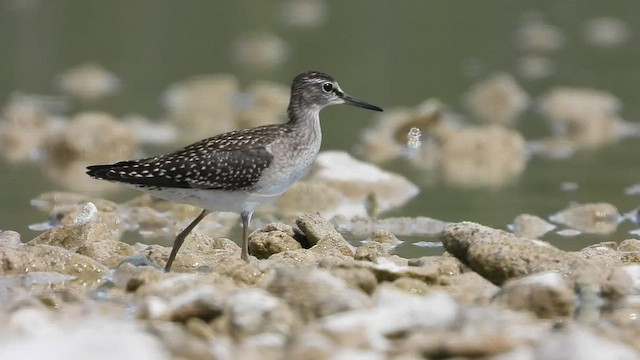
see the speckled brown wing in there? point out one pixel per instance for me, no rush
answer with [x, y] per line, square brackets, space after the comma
[230, 161]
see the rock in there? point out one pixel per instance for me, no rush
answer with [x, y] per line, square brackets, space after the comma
[373, 327]
[272, 239]
[634, 274]
[43, 334]
[267, 104]
[10, 239]
[602, 253]
[530, 226]
[490, 333]
[314, 293]
[370, 250]
[547, 295]
[184, 296]
[129, 277]
[73, 236]
[469, 288]
[48, 258]
[497, 99]
[399, 226]
[298, 257]
[93, 136]
[487, 156]
[594, 218]
[255, 311]
[268, 346]
[629, 245]
[447, 265]
[413, 286]
[108, 252]
[539, 36]
[564, 103]
[202, 105]
[475, 246]
[198, 250]
[357, 180]
[606, 32]
[88, 81]
[358, 277]
[387, 270]
[260, 50]
[576, 343]
[322, 236]
[387, 138]
[309, 196]
[382, 236]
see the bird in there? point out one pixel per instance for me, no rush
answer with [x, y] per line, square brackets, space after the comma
[239, 170]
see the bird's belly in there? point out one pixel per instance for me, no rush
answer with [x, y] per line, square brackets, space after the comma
[214, 200]
[277, 179]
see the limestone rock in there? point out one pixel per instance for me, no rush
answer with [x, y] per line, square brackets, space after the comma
[499, 256]
[272, 239]
[314, 292]
[547, 295]
[323, 236]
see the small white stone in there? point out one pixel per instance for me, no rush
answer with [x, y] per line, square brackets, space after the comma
[88, 213]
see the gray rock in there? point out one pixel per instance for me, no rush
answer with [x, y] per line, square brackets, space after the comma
[499, 256]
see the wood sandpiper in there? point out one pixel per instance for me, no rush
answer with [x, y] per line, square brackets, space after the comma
[239, 170]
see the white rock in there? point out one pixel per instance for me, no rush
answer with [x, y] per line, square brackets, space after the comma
[253, 311]
[395, 312]
[580, 344]
[88, 213]
[36, 334]
[634, 274]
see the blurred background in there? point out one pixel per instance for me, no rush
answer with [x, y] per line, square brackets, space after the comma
[560, 78]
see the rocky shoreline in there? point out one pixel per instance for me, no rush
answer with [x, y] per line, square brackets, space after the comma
[309, 294]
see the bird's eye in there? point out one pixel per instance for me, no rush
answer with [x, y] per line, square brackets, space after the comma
[327, 87]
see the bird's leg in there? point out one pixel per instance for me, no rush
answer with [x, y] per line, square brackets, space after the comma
[246, 218]
[181, 236]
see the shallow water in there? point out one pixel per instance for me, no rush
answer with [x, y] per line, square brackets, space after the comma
[389, 54]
